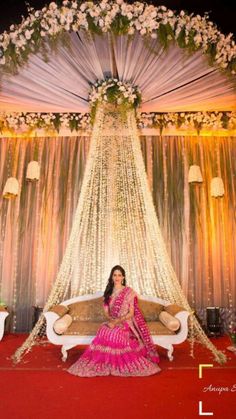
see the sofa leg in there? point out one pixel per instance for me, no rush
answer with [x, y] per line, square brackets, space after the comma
[64, 350]
[64, 353]
[170, 352]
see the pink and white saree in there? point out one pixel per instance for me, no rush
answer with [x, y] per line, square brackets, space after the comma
[125, 350]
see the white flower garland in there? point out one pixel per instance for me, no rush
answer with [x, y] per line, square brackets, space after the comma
[26, 122]
[188, 120]
[19, 123]
[53, 21]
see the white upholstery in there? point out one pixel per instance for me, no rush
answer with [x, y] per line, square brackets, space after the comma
[70, 341]
[3, 316]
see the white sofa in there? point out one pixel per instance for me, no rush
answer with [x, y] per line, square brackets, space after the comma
[69, 341]
[3, 315]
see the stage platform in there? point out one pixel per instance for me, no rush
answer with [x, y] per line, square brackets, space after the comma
[40, 386]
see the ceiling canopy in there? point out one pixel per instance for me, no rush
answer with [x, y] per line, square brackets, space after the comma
[170, 78]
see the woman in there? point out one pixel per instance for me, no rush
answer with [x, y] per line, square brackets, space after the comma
[123, 345]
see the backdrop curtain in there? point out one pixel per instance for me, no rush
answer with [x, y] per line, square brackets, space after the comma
[199, 230]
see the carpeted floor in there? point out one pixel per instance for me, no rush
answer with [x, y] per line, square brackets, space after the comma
[40, 387]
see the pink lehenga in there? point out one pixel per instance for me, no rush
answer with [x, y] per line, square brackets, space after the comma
[125, 350]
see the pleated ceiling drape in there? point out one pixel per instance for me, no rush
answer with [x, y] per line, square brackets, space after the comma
[170, 80]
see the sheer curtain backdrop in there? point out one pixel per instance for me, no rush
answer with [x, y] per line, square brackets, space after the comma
[200, 231]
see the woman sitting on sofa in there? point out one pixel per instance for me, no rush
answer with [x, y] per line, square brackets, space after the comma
[123, 345]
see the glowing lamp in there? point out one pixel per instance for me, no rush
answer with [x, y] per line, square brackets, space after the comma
[217, 187]
[11, 188]
[33, 171]
[194, 174]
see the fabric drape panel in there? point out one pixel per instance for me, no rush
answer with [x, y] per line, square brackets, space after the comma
[34, 236]
[200, 231]
[170, 80]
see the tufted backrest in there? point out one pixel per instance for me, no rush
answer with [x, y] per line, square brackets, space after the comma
[150, 310]
[90, 310]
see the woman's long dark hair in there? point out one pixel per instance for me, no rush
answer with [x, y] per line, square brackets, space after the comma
[110, 284]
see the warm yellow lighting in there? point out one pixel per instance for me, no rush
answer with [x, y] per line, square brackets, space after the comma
[33, 171]
[116, 223]
[217, 187]
[195, 174]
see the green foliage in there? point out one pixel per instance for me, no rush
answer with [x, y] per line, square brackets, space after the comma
[138, 100]
[57, 122]
[181, 39]
[211, 53]
[93, 28]
[191, 42]
[93, 111]
[120, 25]
[225, 120]
[73, 124]
[113, 94]
[165, 34]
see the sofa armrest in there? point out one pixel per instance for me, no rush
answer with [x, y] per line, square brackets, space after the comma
[59, 309]
[51, 317]
[3, 309]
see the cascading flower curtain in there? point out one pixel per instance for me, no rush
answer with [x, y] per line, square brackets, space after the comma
[198, 229]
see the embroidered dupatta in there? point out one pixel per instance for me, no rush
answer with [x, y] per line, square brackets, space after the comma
[137, 323]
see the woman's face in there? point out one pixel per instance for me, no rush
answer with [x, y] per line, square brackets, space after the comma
[117, 277]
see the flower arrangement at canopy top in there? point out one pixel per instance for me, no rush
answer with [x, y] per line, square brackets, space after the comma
[115, 92]
[47, 26]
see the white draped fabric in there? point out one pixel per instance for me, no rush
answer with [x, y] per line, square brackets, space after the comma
[170, 80]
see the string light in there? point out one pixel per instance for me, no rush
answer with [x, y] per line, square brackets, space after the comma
[16, 156]
[37, 224]
[115, 222]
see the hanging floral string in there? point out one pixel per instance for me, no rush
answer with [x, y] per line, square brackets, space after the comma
[45, 28]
